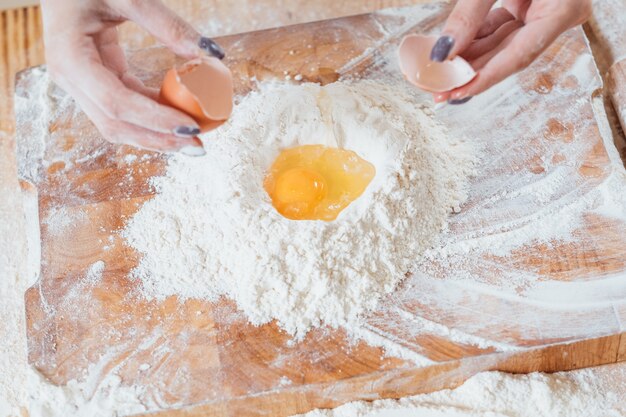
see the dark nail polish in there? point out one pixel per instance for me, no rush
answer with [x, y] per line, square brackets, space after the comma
[460, 101]
[210, 46]
[186, 131]
[442, 49]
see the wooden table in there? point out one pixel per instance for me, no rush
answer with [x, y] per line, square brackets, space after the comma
[28, 57]
[218, 363]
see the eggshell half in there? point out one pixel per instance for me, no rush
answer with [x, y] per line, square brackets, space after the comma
[435, 77]
[202, 88]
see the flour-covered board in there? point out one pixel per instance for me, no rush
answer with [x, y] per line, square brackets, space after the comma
[529, 276]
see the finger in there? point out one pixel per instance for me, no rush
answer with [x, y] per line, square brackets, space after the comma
[495, 18]
[490, 45]
[114, 59]
[482, 46]
[441, 97]
[525, 46]
[125, 133]
[137, 85]
[519, 8]
[119, 102]
[116, 131]
[170, 29]
[111, 54]
[479, 62]
[461, 28]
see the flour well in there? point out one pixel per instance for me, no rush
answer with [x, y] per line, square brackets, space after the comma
[211, 229]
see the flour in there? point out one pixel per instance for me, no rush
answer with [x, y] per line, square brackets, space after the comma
[60, 219]
[13, 360]
[94, 273]
[496, 394]
[108, 398]
[594, 392]
[211, 229]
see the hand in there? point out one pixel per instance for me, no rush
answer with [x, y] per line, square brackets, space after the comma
[500, 42]
[84, 57]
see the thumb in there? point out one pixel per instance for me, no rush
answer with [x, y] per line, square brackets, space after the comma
[170, 29]
[461, 28]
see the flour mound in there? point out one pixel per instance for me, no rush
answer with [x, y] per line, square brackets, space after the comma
[211, 229]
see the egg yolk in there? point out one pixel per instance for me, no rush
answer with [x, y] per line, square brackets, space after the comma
[314, 182]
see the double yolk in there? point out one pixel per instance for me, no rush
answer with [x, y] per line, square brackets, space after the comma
[314, 182]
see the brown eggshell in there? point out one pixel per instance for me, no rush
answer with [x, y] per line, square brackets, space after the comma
[202, 88]
[435, 77]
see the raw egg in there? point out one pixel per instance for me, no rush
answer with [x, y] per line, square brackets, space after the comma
[202, 88]
[435, 77]
[315, 182]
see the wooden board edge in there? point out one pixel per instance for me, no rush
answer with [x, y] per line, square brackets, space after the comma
[617, 88]
[405, 382]
[621, 352]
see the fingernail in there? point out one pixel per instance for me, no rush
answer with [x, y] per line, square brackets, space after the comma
[442, 49]
[210, 46]
[439, 98]
[460, 101]
[184, 131]
[192, 150]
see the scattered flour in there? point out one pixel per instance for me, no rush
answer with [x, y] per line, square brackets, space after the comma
[211, 229]
[110, 398]
[94, 273]
[13, 359]
[59, 219]
[22, 388]
[496, 394]
[593, 392]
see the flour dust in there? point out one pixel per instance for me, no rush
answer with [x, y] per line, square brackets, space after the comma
[496, 394]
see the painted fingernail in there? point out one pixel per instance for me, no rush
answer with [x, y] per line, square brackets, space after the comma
[210, 46]
[185, 131]
[442, 49]
[460, 101]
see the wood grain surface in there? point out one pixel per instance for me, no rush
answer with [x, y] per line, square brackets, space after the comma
[21, 46]
[205, 359]
[607, 35]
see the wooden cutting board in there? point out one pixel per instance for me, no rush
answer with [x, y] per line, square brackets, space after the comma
[545, 305]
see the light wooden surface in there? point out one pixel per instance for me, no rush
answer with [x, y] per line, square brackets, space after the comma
[205, 359]
[20, 47]
[607, 35]
[27, 49]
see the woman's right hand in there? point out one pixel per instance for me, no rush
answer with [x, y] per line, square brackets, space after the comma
[84, 57]
[500, 42]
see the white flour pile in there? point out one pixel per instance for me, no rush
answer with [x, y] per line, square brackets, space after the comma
[212, 230]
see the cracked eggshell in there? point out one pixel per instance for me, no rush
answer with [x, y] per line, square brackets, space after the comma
[202, 88]
[435, 77]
